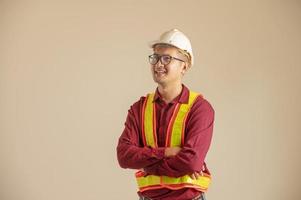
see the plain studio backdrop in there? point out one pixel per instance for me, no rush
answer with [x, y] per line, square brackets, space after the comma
[70, 70]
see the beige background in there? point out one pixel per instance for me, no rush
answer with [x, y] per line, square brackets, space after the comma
[69, 71]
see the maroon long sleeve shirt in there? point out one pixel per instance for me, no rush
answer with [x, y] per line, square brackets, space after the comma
[133, 154]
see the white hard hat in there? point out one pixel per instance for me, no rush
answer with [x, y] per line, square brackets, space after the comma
[175, 38]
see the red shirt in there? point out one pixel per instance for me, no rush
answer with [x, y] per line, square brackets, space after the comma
[198, 133]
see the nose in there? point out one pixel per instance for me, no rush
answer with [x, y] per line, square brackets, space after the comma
[158, 64]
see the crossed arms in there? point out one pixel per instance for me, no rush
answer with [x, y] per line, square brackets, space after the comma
[169, 161]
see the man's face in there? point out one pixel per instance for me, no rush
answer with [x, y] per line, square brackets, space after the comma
[172, 72]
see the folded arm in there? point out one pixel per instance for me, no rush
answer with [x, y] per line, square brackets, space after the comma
[129, 153]
[191, 157]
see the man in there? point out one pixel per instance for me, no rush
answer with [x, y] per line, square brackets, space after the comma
[167, 134]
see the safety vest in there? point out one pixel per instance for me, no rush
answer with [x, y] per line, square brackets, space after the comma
[175, 137]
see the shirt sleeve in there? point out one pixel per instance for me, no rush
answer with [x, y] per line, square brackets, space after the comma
[130, 152]
[198, 135]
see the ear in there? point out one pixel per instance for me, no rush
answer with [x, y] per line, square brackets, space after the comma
[186, 66]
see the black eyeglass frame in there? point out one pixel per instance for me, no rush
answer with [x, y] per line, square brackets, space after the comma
[160, 56]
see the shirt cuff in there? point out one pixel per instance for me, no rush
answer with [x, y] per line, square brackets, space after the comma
[158, 153]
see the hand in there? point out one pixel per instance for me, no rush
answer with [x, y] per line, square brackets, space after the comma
[172, 151]
[144, 172]
[195, 175]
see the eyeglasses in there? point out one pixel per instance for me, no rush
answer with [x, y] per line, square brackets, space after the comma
[164, 59]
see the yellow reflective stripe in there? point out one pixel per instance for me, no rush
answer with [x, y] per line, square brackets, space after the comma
[202, 181]
[149, 122]
[152, 180]
[176, 133]
[148, 180]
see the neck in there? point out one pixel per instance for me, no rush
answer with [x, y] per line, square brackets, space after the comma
[169, 92]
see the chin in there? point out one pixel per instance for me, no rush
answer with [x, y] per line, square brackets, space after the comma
[160, 82]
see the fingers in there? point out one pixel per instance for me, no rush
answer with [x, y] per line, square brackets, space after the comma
[176, 150]
[172, 151]
[195, 175]
[192, 176]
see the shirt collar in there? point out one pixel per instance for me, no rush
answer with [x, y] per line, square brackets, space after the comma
[181, 98]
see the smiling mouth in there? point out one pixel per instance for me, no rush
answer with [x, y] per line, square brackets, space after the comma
[160, 72]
